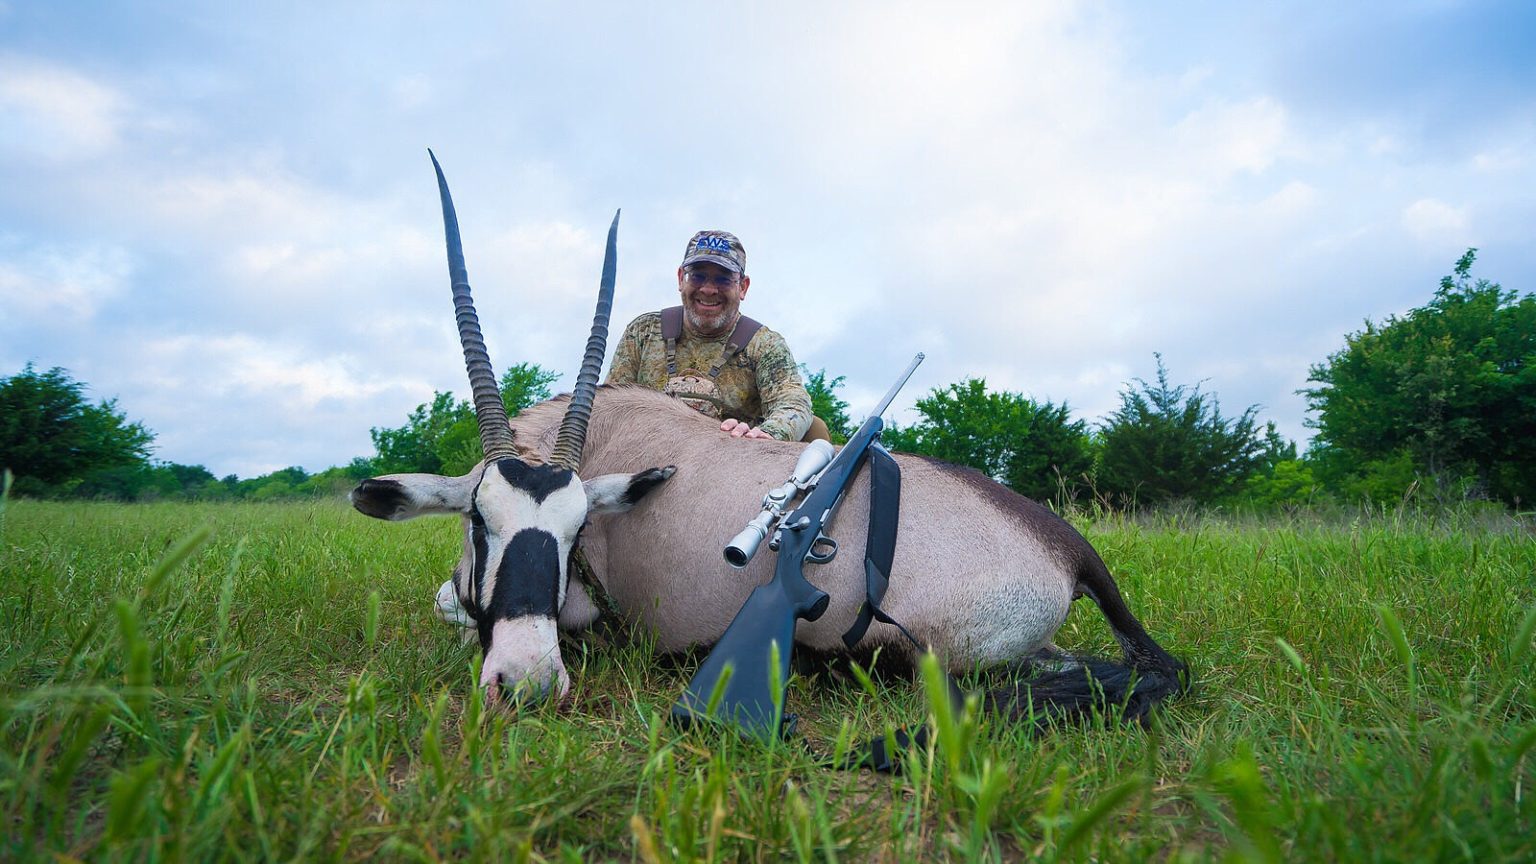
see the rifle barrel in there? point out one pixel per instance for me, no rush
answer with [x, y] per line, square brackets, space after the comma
[896, 388]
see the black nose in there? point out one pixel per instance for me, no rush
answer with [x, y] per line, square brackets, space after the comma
[527, 693]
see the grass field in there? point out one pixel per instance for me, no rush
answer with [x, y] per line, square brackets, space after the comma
[192, 682]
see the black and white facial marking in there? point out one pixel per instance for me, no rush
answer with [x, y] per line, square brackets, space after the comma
[523, 522]
[520, 524]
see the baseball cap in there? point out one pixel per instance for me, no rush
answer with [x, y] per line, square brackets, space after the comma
[716, 247]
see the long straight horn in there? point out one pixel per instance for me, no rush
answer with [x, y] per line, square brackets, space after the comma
[495, 434]
[573, 429]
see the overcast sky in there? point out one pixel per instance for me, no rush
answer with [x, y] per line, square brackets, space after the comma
[223, 214]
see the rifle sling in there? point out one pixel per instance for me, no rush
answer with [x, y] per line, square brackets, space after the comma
[880, 550]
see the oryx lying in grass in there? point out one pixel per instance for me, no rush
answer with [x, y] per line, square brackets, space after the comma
[982, 575]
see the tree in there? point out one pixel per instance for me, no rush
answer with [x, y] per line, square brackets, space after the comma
[143, 481]
[337, 480]
[1450, 389]
[826, 404]
[1034, 448]
[443, 436]
[413, 448]
[1281, 479]
[525, 384]
[1170, 442]
[277, 484]
[52, 437]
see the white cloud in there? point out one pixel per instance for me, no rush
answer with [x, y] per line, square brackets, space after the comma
[245, 199]
[72, 284]
[1227, 138]
[1429, 219]
[248, 365]
[246, 404]
[56, 113]
[1293, 199]
[1001, 185]
[412, 91]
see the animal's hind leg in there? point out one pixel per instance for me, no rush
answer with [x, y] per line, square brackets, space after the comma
[1051, 658]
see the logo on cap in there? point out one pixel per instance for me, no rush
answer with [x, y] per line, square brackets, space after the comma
[716, 247]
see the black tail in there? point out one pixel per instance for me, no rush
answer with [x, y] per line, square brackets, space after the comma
[1082, 687]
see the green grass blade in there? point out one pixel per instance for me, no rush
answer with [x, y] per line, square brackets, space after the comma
[1103, 806]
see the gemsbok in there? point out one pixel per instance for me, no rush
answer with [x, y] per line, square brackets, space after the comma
[981, 575]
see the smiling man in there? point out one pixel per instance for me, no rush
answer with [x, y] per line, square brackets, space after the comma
[706, 353]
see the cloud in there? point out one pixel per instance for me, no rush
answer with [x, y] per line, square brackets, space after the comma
[247, 404]
[251, 366]
[1042, 193]
[55, 113]
[1222, 139]
[63, 283]
[1430, 219]
[412, 91]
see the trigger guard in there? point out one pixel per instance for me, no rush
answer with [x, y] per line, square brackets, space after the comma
[822, 557]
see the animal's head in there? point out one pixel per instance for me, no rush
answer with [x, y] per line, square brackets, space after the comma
[521, 513]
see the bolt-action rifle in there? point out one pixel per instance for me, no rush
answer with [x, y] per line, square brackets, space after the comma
[744, 679]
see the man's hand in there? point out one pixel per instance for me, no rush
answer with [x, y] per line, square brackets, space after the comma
[739, 429]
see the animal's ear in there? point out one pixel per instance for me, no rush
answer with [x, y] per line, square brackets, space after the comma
[615, 493]
[403, 496]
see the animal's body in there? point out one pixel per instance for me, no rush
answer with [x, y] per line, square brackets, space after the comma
[983, 575]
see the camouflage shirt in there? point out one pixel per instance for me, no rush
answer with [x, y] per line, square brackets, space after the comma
[760, 386]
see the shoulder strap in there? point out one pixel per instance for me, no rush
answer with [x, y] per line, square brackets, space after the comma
[671, 329]
[741, 334]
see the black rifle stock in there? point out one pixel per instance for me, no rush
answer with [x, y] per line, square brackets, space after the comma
[753, 655]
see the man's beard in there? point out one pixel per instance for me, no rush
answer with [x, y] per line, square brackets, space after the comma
[710, 324]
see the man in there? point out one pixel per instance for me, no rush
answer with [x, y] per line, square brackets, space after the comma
[711, 356]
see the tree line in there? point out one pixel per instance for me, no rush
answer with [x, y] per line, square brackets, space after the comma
[1438, 404]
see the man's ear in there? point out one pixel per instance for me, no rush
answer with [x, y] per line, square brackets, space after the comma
[746, 282]
[404, 496]
[615, 493]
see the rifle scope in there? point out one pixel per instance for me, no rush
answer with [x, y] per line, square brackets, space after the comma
[744, 545]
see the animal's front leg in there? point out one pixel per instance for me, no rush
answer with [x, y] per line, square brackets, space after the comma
[579, 611]
[450, 609]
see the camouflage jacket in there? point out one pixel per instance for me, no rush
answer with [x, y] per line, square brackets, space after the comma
[760, 386]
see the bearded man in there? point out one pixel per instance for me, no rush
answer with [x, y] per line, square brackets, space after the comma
[718, 361]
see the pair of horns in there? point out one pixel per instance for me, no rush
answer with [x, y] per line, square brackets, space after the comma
[490, 412]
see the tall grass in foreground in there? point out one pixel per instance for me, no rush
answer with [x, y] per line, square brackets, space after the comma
[188, 682]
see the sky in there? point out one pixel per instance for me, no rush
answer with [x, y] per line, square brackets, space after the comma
[223, 215]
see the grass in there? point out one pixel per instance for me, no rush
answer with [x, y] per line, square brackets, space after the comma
[238, 681]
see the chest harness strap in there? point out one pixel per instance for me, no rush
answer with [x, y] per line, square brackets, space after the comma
[672, 330]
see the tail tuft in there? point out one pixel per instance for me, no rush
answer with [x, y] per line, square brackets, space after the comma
[1088, 687]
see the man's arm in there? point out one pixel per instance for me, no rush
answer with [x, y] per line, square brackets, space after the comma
[786, 404]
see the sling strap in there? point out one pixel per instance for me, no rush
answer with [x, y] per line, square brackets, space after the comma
[672, 330]
[880, 551]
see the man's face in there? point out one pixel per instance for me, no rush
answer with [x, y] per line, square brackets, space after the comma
[712, 296]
